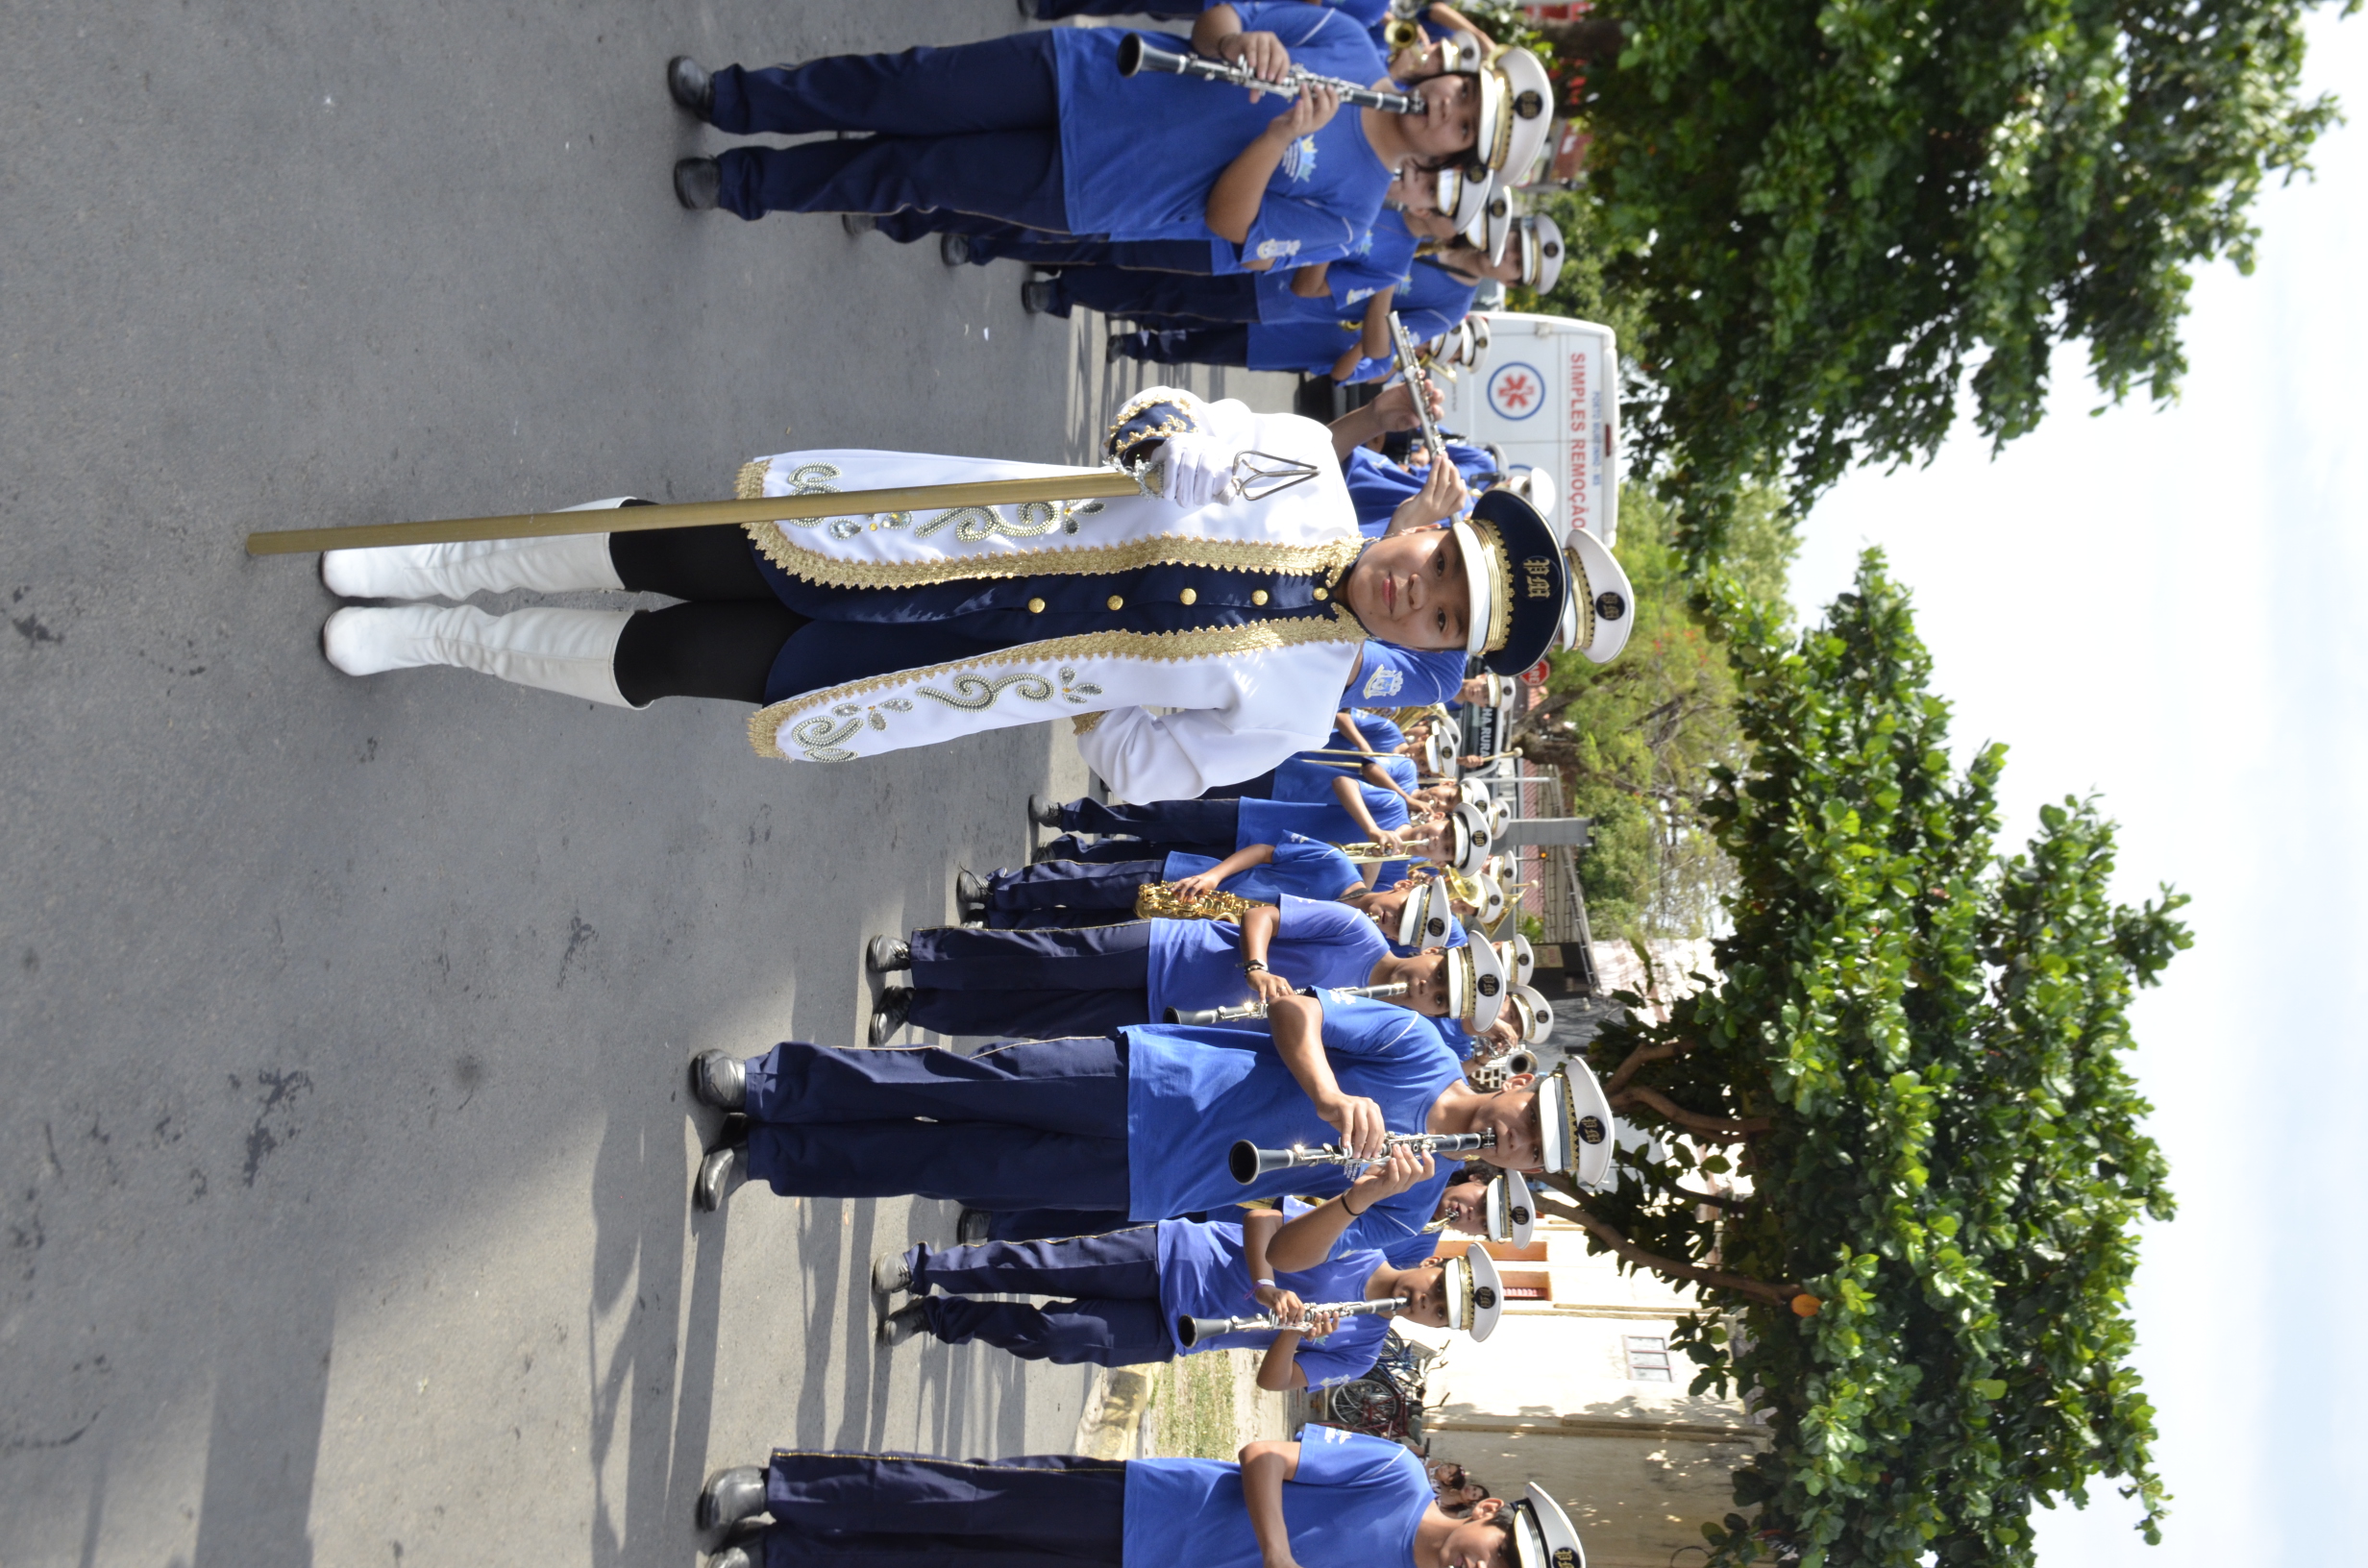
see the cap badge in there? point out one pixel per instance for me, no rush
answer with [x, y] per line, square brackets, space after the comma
[1565, 1558]
[1610, 605]
[1520, 1215]
[1488, 986]
[1529, 103]
[1483, 1298]
[1591, 1129]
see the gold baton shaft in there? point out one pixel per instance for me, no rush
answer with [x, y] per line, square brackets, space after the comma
[1097, 484]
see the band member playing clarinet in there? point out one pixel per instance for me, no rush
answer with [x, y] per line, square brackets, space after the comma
[1150, 1292]
[1042, 129]
[1337, 1499]
[1142, 1119]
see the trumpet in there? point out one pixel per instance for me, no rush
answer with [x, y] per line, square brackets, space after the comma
[1248, 1161]
[1256, 1008]
[1417, 386]
[1190, 1330]
[1136, 56]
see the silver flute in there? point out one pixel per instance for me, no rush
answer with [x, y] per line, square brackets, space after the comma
[1418, 385]
[1136, 56]
[1248, 1161]
[1256, 1008]
[1190, 1330]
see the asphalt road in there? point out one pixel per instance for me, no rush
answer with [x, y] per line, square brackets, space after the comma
[346, 1153]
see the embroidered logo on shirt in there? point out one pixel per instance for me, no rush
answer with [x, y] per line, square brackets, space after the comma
[1300, 160]
[1385, 682]
[1356, 295]
[1274, 250]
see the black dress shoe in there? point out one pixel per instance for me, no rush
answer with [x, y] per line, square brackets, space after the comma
[1036, 296]
[718, 1080]
[722, 1172]
[904, 1323]
[1044, 813]
[954, 250]
[699, 183]
[732, 1496]
[739, 1555]
[971, 1226]
[884, 953]
[689, 85]
[888, 1016]
[970, 893]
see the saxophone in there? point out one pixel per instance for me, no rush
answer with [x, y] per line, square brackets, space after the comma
[1167, 901]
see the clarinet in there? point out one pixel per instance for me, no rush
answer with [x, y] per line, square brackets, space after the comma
[1419, 386]
[1190, 1330]
[1248, 1161]
[1258, 1009]
[1136, 56]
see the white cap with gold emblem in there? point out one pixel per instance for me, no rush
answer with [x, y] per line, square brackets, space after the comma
[1602, 606]
[1463, 194]
[1511, 1216]
[1517, 112]
[1488, 901]
[1438, 759]
[1542, 1535]
[1520, 959]
[1468, 838]
[1425, 918]
[1533, 1012]
[1476, 986]
[1475, 1294]
[1575, 1125]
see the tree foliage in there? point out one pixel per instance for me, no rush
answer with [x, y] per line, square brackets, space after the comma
[1901, 1098]
[1827, 218]
[1636, 740]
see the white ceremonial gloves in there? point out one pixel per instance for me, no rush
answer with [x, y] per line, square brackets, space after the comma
[1199, 469]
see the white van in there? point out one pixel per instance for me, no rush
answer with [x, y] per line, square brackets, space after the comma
[1547, 394]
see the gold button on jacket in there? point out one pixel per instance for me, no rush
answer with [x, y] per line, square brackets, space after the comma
[1258, 597]
[1035, 606]
[1189, 596]
[1116, 603]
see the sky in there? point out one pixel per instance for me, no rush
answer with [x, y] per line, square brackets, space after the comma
[2159, 606]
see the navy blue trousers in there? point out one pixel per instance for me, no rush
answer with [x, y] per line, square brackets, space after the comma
[975, 128]
[1168, 821]
[1053, 11]
[1189, 345]
[1032, 985]
[1036, 1124]
[1119, 851]
[1067, 892]
[1166, 296]
[916, 1510]
[1113, 1317]
[994, 240]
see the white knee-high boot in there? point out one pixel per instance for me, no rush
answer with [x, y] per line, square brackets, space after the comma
[561, 564]
[571, 652]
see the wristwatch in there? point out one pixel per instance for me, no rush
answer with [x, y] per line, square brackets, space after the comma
[1254, 965]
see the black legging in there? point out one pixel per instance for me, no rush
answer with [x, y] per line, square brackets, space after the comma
[722, 641]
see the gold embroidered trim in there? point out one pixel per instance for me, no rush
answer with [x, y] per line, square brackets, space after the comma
[1085, 724]
[750, 483]
[1069, 560]
[1143, 402]
[1159, 646]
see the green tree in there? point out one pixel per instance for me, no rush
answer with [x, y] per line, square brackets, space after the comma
[1910, 1056]
[1636, 740]
[1823, 221]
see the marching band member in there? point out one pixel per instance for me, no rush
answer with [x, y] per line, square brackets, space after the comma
[1054, 893]
[1252, 613]
[1336, 1499]
[1130, 1288]
[1142, 1119]
[1051, 984]
[1218, 827]
[1039, 129]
